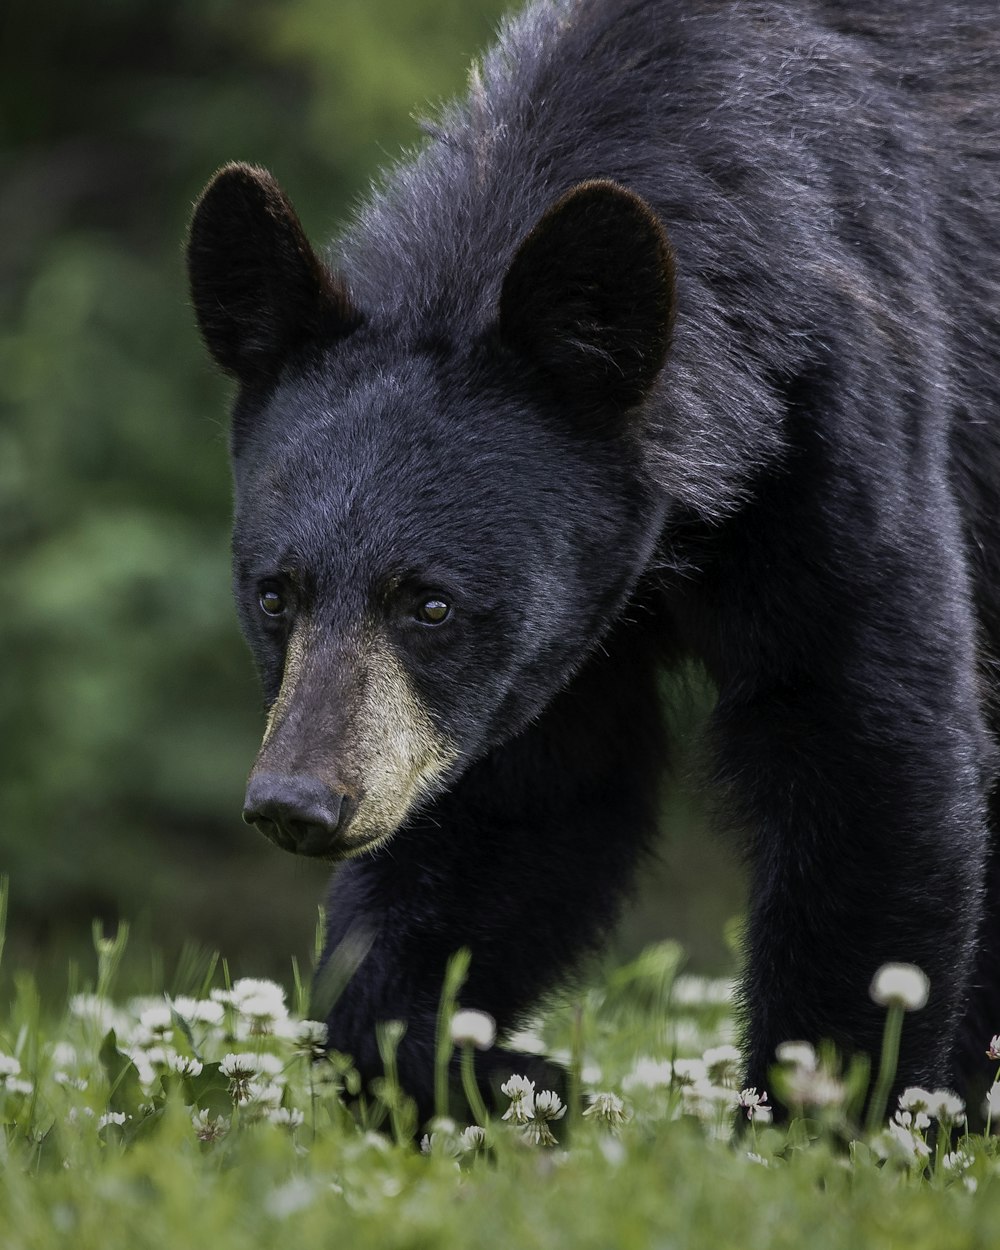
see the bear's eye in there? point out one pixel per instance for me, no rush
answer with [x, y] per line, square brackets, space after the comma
[433, 612]
[272, 601]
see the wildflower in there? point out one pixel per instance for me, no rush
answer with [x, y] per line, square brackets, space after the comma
[64, 1055]
[240, 1069]
[608, 1110]
[915, 1098]
[946, 1107]
[262, 1095]
[754, 1104]
[286, 1117]
[521, 1093]
[798, 1054]
[958, 1160]
[309, 1038]
[649, 1074]
[994, 1049]
[689, 1071]
[918, 1120]
[9, 1066]
[198, 1010]
[549, 1106]
[185, 1065]
[900, 985]
[474, 1028]
[991, 1106]
[472, 1139]
[722, 1063]
[900, 1141]
[63, 1078]
[208, 1129]
[692, 991]
[157, 1020]
[112, 1117]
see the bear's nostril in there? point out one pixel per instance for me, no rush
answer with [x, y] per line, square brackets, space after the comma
[298, 813]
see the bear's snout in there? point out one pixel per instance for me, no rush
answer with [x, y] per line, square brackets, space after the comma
[298, 813]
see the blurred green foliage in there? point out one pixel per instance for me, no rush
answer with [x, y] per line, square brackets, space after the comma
[129, 709]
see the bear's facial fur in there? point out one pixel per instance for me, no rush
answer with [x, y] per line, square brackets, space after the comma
[367, 488]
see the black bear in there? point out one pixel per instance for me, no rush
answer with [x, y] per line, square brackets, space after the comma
[678, 340]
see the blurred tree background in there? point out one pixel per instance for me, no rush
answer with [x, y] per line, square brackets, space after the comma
[130, 713]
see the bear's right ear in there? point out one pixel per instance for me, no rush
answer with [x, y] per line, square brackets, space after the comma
[259, 289]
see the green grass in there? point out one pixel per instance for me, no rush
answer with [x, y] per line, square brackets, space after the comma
[293, 1166]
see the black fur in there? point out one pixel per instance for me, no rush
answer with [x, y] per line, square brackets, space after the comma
[804, 498]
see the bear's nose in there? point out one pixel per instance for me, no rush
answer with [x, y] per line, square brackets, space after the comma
[299, 814]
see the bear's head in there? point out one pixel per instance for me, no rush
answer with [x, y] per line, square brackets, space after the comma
[435, 523]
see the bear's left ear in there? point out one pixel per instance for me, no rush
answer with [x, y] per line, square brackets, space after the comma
[589, 296]
[259, 289]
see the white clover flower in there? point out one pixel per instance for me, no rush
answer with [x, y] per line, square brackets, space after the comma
[946, 1106]
[608, 1110]
[902, 1142]
[207, 1128]
[65, 1079]
[918, 1120]
[239, 1066]
[75, 1114]
[17, 1085]
[756, 1158]
[527, 1041]
[310, 1037]
[64, 1055]
[112, 1117]
[549, 1106]
[754, 1104]
[692, 991]
[157, 1020]
[538, 1133]
[991, 1106]
[915, 1098]
[994, 1049]
[9, 1066]
[958, 1160]
[142, 1065]
[185, 1065]
[703, 1099]
[473, 1028]
[798, 1054]
[521, 1093]
[262, 1013]
[689, 1071]
[472, 1139]
[900, 985]
[649, 1074]
[96, 1010]
[161, 1056]
[240, 1069]
[263, 1095]
[286, 1117]
[199, 1010]
[259, 989]
[722, 1063]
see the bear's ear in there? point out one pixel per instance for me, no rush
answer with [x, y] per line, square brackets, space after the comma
[259, 289]
[589, 296]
